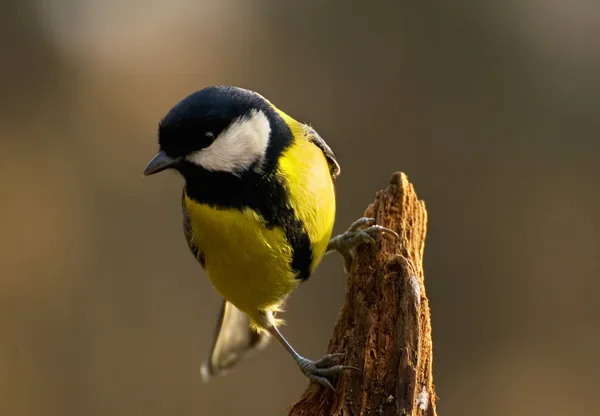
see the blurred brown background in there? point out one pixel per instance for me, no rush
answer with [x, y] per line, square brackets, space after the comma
[491, 108]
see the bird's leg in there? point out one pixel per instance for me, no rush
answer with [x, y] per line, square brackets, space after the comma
[320, 371]
[361, 231]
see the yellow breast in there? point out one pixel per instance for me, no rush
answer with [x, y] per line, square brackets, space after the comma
[247, 263]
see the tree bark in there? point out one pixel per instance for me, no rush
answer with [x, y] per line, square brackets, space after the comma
[384, 328]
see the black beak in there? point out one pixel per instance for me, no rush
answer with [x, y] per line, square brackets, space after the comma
[160, 162]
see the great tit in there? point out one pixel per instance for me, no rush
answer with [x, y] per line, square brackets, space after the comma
[258, 213]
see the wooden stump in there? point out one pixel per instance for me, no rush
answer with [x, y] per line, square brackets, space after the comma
[384, 327]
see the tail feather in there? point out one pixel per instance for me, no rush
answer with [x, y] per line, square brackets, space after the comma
[234, 338]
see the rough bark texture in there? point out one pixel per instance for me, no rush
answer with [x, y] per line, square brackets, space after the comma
[384, 327]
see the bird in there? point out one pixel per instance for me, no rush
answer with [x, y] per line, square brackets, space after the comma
[258, 206]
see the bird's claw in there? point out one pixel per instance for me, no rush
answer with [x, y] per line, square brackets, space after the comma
[322, 370]
[328, 360]
[362, 231]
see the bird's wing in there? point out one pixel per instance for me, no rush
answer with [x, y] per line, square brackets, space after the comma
[233, 339]
[187, 231]
[334, 167]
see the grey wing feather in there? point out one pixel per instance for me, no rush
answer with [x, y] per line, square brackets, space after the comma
[187, 231]
[234, 338]
[334, 167]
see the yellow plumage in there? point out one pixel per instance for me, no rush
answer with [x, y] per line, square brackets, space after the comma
[246, 262]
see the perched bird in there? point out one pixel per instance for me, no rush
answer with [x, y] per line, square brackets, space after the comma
[258, 213]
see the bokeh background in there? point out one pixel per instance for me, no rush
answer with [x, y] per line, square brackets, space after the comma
[492, 108]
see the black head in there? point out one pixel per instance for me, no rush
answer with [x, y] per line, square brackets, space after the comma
[194, 122]
[217, 128]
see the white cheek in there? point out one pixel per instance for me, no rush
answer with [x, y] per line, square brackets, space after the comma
[238, 147]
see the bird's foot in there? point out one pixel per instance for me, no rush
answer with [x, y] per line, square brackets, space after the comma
[362, 231]
[322, 371]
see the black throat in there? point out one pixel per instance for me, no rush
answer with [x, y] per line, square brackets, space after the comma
[264, 192]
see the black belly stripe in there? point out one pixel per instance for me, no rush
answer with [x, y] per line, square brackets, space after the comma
[298, 239]
[266, 195]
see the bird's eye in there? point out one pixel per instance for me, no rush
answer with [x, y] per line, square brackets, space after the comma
[209, 136]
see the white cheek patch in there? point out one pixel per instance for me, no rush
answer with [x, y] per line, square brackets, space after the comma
[239, 146]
